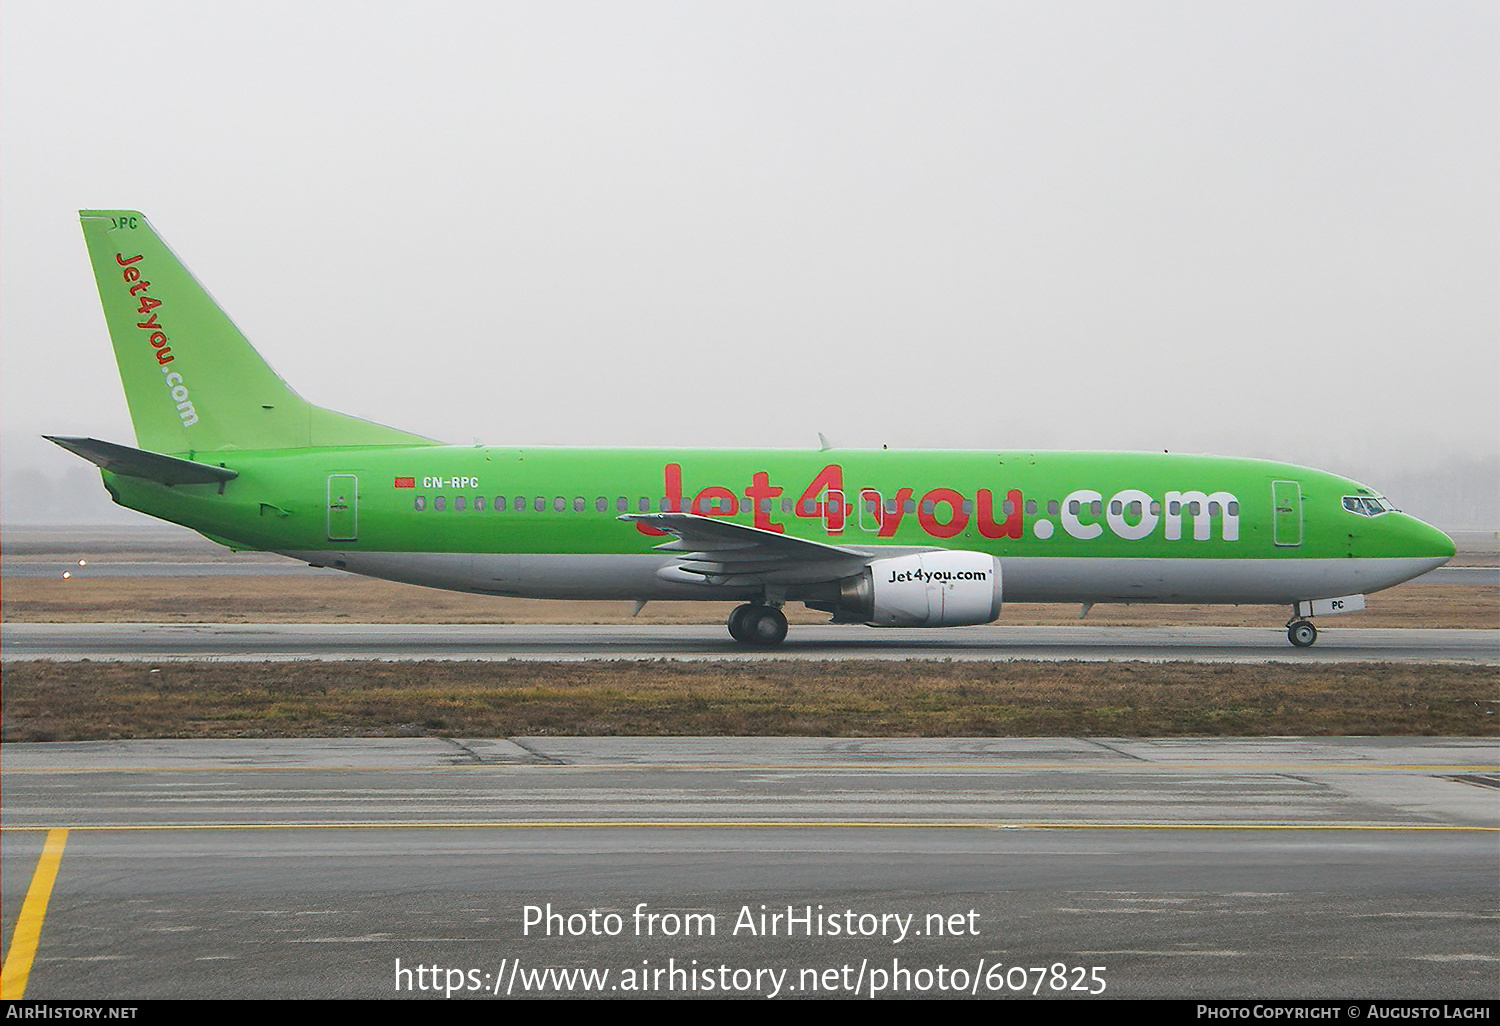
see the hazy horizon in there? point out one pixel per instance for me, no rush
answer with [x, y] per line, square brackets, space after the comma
[1266, 230]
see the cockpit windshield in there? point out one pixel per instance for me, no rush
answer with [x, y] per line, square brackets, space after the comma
[1368, 506]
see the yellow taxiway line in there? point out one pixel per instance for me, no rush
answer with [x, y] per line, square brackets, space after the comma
[28, 932]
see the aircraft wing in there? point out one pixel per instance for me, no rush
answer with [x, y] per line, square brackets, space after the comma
[718, 551]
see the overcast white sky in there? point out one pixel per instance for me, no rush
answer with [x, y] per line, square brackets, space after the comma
[1260, 228]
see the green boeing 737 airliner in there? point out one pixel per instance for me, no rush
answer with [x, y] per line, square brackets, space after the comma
[892, 539]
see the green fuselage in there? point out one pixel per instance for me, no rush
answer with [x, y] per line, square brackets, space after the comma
[1155, 510]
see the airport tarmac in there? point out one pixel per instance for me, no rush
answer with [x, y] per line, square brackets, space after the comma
[566, 642]
[1269, 867]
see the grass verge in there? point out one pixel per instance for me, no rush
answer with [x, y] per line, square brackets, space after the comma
[55, 701]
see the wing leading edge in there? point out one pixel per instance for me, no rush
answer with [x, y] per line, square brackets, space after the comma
[721, 552]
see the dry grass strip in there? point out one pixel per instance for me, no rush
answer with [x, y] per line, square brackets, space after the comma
[52, 701]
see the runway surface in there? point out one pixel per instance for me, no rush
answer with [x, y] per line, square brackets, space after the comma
[256, 642]
[1252, 867]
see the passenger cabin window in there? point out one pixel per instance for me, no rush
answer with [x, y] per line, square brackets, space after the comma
[421, 503]
[458, 504]
[479, 502]
[440, 503]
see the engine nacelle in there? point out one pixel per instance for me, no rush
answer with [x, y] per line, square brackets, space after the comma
[926, 589]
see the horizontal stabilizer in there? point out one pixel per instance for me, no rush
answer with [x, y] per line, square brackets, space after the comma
[152, 466]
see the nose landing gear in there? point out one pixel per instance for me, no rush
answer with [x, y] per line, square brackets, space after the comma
[756, 624]
[1301, 632]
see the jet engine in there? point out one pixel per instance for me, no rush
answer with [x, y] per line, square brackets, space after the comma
[926, 589]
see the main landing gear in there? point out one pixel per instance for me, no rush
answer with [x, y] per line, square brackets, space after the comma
[756, 624]
[1301, 632]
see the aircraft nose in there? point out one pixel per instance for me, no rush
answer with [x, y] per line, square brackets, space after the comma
[1428, 542]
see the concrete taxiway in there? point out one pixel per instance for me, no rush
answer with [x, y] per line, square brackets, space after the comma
[256, 642]
[1268, 867]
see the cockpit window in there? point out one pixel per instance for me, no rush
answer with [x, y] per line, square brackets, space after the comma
[1366, 506]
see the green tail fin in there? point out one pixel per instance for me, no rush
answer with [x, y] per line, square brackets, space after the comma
[192, 380]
